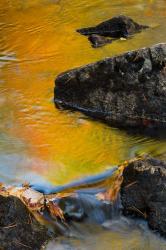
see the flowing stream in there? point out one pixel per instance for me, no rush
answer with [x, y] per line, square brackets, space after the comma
[46, 146]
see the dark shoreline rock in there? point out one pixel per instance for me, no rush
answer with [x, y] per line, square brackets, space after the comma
[116, 27]
[19, 230]
[143, 192]
[125, 91]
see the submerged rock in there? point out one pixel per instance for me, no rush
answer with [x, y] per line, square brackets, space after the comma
[98, 41]
[18, 228]
[88, 208]
[116, 27]
[125, 91]
[143, 192]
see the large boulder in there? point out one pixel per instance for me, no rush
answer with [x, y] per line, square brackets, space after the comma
[125, 90]
[143, 192]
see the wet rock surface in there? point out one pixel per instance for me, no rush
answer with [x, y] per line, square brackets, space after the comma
[98, 41]
[116, 27]
[18, 228]
[143, 192]
[86, 207]
[125, 91]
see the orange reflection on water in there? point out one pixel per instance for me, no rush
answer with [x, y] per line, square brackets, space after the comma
[38, 41]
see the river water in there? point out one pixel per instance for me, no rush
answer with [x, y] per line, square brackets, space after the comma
[39, 143]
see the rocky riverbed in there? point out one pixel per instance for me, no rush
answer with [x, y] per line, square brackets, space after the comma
[27, 214]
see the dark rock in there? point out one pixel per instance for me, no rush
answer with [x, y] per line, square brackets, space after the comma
[125, 91]
[143, 192]
[98, 41]
[18, 228]
[116, 27]
[86, 207]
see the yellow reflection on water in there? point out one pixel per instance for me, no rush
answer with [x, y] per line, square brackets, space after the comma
[38, 41]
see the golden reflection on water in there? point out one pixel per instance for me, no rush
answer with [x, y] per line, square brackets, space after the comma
[37, 42]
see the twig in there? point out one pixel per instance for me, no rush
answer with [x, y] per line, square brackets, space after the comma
[21, 244]
[10, 226]
[131, 184]
[137, 210]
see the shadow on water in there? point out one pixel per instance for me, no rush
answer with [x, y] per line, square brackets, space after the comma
[157, 131]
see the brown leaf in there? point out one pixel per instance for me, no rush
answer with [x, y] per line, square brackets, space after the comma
[55, 210]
